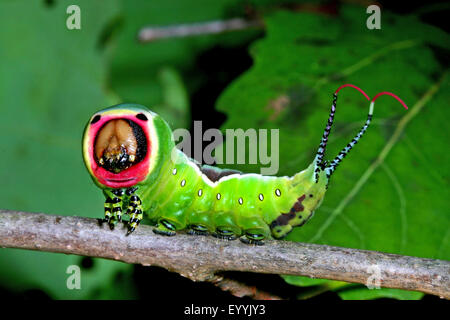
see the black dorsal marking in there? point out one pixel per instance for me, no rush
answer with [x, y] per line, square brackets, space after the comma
[284, 218]
[214, 174]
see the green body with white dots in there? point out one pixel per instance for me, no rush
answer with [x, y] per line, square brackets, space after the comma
[235, 204]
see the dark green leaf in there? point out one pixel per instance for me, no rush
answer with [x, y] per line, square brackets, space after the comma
[402, 208]
[52, 80]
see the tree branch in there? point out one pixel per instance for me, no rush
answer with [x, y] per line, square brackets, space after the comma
[152, 33]
[200, 258]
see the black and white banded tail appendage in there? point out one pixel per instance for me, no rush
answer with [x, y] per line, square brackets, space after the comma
[333, 164]
[319, 162]
[329, 168]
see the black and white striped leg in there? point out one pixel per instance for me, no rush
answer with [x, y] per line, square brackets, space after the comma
[134, 209]
[108, 210]
[117, 205]
[135, 219]
[113, 207]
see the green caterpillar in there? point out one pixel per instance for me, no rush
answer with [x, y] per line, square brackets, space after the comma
[130, 153]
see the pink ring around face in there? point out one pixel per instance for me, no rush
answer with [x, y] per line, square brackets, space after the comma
[128, 177]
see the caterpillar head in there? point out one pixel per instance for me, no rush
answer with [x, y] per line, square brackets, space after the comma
[125, 145]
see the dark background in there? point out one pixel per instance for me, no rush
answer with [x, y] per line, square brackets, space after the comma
[153, 283]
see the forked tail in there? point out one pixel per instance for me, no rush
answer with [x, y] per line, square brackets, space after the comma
[330, 167]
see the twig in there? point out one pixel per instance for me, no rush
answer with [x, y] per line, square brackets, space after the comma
[152, 33]
[239, 289]
[200, 258]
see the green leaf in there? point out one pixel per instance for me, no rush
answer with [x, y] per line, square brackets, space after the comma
[175, 102]
[52, 80]
[402, 207]
[363, 293]
[303, 281]
[138, 68]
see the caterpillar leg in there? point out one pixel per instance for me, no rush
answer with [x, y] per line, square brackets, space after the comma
[225, 233]
[108, 210]
[165, 228]
[255, 231]
[253, 236]
[113, 207]
[199, 222]
[171, 219]
[227, 228]
[136, 215]
[198, 229]
[134, 210]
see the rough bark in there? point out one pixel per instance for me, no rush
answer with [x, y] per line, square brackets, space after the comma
[200, 258]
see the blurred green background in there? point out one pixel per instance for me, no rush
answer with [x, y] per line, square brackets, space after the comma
[280, 76]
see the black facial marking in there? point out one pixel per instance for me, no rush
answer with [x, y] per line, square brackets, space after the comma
[96, 119]
[141, 116]
[141, 140]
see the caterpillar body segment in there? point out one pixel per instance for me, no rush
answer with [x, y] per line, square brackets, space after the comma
[250, 206]
[130, 153]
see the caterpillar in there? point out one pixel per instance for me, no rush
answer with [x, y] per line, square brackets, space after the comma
[130, 154]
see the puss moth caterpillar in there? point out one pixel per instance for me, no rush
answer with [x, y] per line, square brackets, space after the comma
[130, 153]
